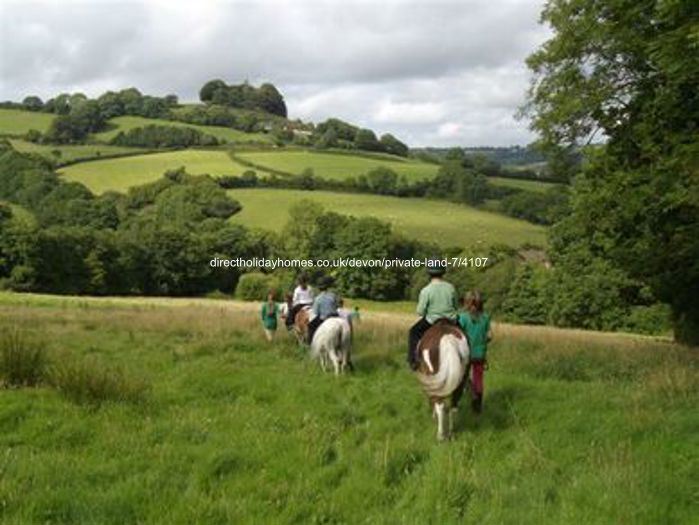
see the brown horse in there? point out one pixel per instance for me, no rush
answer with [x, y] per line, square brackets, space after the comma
[442, 361]
[301, 324]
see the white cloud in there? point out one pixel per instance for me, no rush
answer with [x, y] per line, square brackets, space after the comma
[414, 68]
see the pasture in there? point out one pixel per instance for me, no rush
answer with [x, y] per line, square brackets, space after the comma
[17, 122]
[337, 165]
[446, 223]
[178, 412]
[126, 123]
[521, 184]
[70, 153]
[121, 173]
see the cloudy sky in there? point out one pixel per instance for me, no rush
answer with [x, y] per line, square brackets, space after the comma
[440, 72]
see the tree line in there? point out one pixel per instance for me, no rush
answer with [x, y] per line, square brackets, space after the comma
[158, 239]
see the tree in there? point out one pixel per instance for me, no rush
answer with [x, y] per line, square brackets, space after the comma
[366, 139]
[270, 100]
[391, 144]
[627, 70]
[207, 91]
[33, 103]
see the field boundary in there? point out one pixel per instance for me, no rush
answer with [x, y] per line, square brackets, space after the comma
[252, 307]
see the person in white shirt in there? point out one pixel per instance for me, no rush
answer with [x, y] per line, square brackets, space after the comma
[303, 296]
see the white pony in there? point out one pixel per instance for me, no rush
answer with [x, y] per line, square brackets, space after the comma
[333, 341]
[442, 360]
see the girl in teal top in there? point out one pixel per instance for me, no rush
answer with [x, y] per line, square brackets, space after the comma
[476, 325]
[269, 313]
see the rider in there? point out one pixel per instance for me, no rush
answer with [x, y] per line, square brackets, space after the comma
[303, 296]
[437, 301]
[325, 306]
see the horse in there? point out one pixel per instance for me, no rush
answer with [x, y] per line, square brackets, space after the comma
[442, 361]
[301, 324]
[333, 341]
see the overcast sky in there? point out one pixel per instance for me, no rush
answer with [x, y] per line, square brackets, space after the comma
[437, 73]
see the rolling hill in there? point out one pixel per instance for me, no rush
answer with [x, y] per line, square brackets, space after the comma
[71, 152]
[443, 222]
[17, 122]
[121, 173]
[126, 123]
[334, 165]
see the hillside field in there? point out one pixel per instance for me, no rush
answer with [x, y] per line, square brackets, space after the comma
[18, 122]
[338, 165]
[178, 412]
[126, 123]
[121, 173]
[70, 153]
[521, 184]
[446, 223]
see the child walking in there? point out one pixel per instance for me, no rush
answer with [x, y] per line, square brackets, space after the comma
[269, 313]
[476, 325]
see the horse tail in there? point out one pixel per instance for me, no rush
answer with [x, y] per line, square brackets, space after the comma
[452, 355]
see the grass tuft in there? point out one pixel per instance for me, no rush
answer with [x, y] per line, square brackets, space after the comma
[22, 359]
[91, 383]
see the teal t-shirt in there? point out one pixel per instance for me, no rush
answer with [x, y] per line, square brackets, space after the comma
[269, 318]
[476, 328]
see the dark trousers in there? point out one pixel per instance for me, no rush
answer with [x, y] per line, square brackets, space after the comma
[416, 332]
[314, 324]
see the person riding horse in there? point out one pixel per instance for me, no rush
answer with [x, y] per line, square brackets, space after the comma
[325, 306]
[437, 301]
[303, 297]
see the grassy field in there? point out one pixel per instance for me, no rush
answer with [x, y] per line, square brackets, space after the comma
[523, 184]
[121, 173]
[18, 122]
[336, 165]
[68, 153]
[447, 223]
[128, 122]
[152, 413]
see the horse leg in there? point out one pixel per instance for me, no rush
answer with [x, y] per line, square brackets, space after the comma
[335, 361]
[439, 408]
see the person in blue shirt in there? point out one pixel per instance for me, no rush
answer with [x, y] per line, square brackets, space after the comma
[325, 305]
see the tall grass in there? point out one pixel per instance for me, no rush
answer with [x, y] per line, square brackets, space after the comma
[577, 427]
[22, 359]
[87, 381]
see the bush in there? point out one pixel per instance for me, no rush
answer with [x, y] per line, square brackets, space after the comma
[255, 285]
[653, 320]
[88, 382]
[153, 136]
[22, 360]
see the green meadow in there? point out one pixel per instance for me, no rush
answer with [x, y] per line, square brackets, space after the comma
[121, 173]
[126, 123]
[521, 184]
[446, 223]
[18, 122]
[70, 153]
[178, 412]
[337, 165]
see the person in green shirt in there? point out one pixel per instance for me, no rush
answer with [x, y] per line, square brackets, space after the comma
[269, 313]
[437, 301]
[476, 325]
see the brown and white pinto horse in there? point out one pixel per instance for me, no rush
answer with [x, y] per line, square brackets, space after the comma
[442, 361]
[301, 324]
